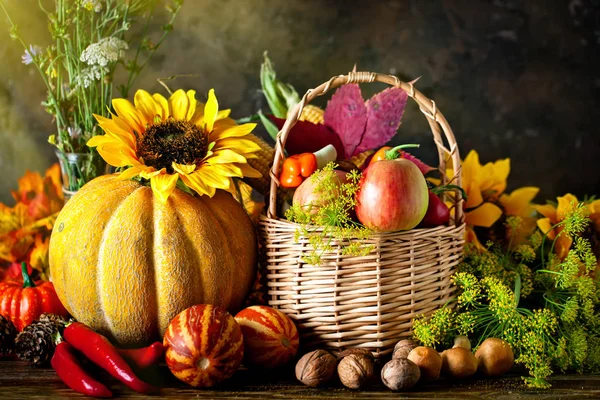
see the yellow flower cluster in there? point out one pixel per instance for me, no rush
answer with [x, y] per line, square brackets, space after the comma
[486, 201]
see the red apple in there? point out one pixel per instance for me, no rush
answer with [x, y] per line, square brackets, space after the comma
[393, 196]
[306, 195]
[437, 212]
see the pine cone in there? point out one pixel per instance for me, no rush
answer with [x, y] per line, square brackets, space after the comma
[8, 333]
[36, 343]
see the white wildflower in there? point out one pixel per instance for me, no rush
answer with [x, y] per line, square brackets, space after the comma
[92, 5]
[89, 75]
[105, 51]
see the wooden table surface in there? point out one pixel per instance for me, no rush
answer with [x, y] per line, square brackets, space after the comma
[18, 381]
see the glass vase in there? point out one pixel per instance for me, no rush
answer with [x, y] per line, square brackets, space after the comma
[78, 169]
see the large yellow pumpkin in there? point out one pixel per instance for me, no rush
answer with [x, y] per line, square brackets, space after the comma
[125, 264]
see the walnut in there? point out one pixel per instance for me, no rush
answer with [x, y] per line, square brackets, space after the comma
[363, 352]
[356, 371]
[400, 374]
[403, 347]
[316, 368]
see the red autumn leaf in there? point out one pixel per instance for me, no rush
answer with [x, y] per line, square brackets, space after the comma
[346, 114]
[422, 166]
[384, 113]
[306, 137]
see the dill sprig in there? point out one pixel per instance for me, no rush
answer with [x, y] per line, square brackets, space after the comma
[328, 222]
[544, 306]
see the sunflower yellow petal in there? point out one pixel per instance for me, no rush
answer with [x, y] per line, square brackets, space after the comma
[248, 171]
[245, 145]
[225, 156]
[179, 104]
[129, 114]
[518, 203]
[546, 226]
[184, 169]
[163, 185]
[195, 183]
[147, 106]
[231, 131]
[211, 177]
[566, 204]
[211, 111]
[116, 128]
[151, 172]
[229, 169]
[484, 215]
[163, 103]
[100, 140]
[191, 94]
[114, 156]
[129, 173]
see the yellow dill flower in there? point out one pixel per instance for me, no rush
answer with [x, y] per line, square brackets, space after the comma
[167, 140]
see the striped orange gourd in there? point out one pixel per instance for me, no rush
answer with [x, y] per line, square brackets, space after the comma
[270, 336]
[203, 346]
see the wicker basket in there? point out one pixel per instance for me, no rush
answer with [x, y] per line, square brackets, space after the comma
[368, 301]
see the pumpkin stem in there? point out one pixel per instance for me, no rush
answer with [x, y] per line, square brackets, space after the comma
[27, 282]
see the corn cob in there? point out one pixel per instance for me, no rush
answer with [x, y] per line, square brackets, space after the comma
[360, 158]
[263, 164]
[312, 114]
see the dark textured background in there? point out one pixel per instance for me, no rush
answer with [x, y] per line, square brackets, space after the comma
[516, 79]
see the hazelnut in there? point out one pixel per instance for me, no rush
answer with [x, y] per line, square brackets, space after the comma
[400, 374]
[495, 357]
[363, 352]
[459, 362]
[462, 341]
[403, 347]
[428, 360]
[316, 368]
[356, 371]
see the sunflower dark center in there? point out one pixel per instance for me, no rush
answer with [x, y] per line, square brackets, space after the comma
[172, 141]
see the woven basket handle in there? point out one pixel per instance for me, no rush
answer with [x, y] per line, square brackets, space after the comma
[436, 120]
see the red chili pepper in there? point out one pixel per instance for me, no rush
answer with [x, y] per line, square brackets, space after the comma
[145, 357]
[99, 350]
[69, 370]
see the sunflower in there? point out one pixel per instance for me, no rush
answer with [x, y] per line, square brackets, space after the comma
[164, 141]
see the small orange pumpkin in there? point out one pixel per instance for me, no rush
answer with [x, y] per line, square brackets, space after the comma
[23, 302]
[125, 264]
[203, 346]
[270, 336]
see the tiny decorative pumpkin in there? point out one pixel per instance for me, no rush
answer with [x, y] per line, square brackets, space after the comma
[24, 302]
[125, 264]
[270, 336]
[203, 346]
